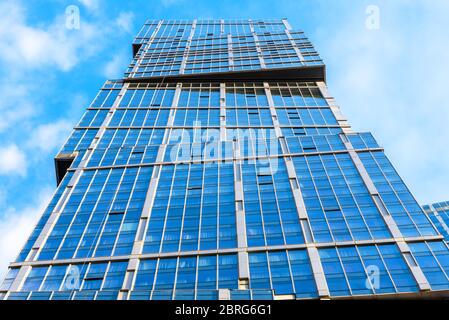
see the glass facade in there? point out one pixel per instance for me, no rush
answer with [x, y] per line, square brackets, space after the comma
[439, 215]
[193, 47]
[220, 183]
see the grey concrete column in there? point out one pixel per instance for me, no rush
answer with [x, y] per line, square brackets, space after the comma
[240, 211]
[318, 272]
[151, 192]
[341, 119]
[222, 111]
[391, 224]
[296, 190]
[129, 279]
[274, 117]
[312, 251]
[230, 53]
[259, 51]
[300, 206]
[20, 278]
[224, 294]
[222, 26]
[251, 26]
[389, 221]
[186, 51]
[146, 211]
[286, 24]
[295, 46]
[243, 267]
[418, 274]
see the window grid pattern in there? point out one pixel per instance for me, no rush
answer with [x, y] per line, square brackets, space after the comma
[193, 135]
[337, 201]
[93, 118]
[270, 210]
[287, 272]
[79, 140]
[362, 141]
[98, 226]
[185, 152]
[438, 213]
[9, 279]
[297, 117]
[151, 97]
[197, 117]
[177, 278]
[324, 143]
[172, 51]
[310, 131]
[433, 258]
[116, 138]
[91, 227]
[44, 218]
[346, 270]
[255, 141]
[105, 99]
[297, 94]
[200, 96]
[408, 215]
[82, 280]
[251, 143]
[140, 118]
[193, 209]
[248, 95]
[195, 201]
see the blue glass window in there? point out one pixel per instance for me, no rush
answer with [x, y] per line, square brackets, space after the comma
[34, 279]
[302, 274]
[54, 278]
[95, 276]
[207, 272]
[280, 273]
[9, 279]
[227, 272]
[408, 215]
[145, 275]
[259, 272]
[433, 259]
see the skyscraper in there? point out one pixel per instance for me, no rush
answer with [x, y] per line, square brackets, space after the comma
[220, 167]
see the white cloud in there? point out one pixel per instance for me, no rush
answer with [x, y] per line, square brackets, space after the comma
[115, 67]
[125, 21]
[16, 226]
[30, 54]
[12, 161]
[25, 46]
[49, 136]
[392, 81]
[17, 103]
[91, 4]
[11, 115]
[76, 107]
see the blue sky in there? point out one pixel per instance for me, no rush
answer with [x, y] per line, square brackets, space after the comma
[391, 81]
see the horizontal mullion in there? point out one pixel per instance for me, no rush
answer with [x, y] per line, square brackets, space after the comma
[223, 251]
[230, 159]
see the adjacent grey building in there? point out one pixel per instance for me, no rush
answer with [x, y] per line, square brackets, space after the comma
[439, 215]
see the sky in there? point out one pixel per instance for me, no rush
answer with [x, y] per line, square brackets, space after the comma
[387, 66]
